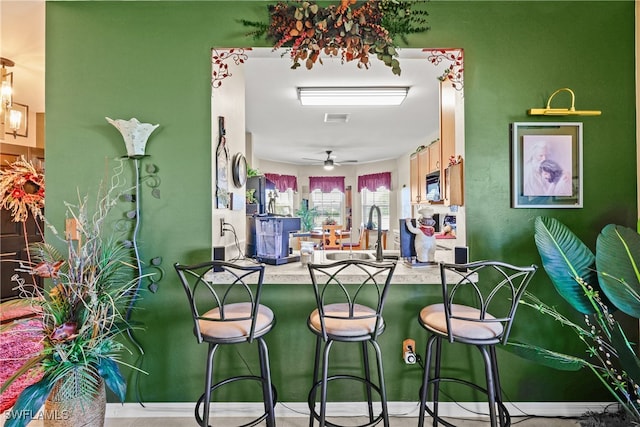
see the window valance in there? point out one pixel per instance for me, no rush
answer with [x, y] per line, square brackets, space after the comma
[326, 184]
[374, 181]
[283, 182]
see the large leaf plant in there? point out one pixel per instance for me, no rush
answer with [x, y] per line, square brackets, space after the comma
[596, 285]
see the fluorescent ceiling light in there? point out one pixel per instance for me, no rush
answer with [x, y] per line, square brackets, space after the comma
[352, 95]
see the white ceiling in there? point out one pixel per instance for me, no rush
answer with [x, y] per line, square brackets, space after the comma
[282, 130]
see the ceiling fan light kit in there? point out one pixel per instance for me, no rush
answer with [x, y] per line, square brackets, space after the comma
[353, 96]
[329, 163]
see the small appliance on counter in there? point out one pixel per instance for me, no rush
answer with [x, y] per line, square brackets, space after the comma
[272, 239]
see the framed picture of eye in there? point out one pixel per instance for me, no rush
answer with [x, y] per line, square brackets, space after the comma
[239, 170]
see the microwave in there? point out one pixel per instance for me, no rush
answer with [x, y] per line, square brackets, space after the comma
[433, 187]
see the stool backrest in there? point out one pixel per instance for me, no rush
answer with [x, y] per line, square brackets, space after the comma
[494, 288]
[216, 284]
[352, 282]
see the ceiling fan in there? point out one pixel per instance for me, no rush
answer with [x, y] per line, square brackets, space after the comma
[329, 162]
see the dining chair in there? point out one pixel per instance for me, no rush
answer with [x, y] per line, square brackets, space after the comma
[355, 245]
[224, 299]
[350, 297]
[332, 239]
[479, 302]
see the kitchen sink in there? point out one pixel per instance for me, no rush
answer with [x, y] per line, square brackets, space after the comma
[339, 256]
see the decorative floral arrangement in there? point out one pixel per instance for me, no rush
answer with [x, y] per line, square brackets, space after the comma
[90, 275]
[22, 190]
[454, 160]
[351, 32]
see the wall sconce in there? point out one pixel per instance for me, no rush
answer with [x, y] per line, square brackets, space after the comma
[364, 96]
[562, 111]
[15, 120]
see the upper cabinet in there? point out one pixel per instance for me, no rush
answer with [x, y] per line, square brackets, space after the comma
[422, 163]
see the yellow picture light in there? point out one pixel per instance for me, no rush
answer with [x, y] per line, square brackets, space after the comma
[562, 111]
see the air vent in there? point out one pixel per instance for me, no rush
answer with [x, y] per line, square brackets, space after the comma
[336, 118]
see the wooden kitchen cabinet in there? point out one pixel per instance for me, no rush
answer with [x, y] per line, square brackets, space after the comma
[422, 163]
[434, 157]
[447, 121]
[414, 178]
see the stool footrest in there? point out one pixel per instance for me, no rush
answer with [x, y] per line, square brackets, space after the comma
[233, 379]
[312, 403]
[503, 409]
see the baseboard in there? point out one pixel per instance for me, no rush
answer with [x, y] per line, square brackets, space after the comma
[396, 409]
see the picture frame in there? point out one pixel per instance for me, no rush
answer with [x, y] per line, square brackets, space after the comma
[546, 165]
[23, 130]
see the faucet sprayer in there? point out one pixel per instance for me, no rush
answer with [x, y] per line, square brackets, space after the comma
[379, 257]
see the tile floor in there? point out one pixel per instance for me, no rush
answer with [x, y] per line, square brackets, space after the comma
[304, 422]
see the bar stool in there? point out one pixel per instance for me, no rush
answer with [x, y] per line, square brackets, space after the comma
[476, 288]
[225, 311]
[350, 296]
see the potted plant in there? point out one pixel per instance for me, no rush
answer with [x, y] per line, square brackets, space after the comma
[90, 274]
[595, 285]
[307, 217]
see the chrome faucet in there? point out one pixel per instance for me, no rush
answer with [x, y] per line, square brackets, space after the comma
[379, 240]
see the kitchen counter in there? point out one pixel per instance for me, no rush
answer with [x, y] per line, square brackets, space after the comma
[297, 273]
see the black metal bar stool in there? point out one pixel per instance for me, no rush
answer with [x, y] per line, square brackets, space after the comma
[225, 311]
[470, 292]
[350, 296]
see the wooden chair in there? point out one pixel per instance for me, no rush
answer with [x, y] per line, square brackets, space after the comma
[332, 239]
[355, 245]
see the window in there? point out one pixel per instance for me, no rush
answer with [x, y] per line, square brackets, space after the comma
[329, 206]
[380, 198]
[284, 202]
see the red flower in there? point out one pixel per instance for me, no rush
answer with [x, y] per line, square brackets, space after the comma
[17, 193]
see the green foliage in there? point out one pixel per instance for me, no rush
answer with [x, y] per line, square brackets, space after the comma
[594, 285]
[307, 217]
[351, 30]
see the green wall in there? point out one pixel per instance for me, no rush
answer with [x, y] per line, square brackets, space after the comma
[150, 60]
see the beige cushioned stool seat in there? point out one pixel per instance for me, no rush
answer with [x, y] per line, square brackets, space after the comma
[345, 327]
[433, 317]
[239, 328]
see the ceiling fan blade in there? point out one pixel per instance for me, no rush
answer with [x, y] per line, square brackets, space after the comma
[313, 160]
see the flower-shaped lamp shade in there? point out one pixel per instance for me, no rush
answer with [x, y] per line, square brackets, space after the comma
[135, 134]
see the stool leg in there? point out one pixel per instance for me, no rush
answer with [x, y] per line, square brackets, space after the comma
[498, 392]
[207, 385]
[367, 376]
[312, 393]
[425, 381]
[323, 387]
[383, 389]
[267, 390]
[436, 376]
[491, 390]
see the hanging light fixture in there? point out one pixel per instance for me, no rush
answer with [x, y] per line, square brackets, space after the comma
[15, 120]
[6, 91]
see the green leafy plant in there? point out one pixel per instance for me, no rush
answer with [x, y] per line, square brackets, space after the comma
[307, 217]
[82, 307]
[350, 30]
[251, 196]
[595, 285]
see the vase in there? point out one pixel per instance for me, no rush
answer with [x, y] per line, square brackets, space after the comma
[75, 411]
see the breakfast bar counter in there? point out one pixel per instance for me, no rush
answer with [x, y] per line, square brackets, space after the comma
[298, 273]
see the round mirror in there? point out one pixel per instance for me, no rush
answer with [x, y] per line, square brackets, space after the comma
[239, 170]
